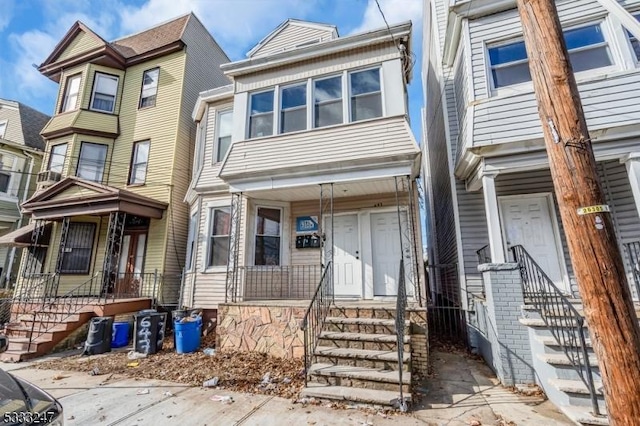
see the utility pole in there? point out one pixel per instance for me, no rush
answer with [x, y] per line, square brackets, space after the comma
[586, 218]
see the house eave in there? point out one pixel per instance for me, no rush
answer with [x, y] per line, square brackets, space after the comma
[104, 55]
[210, 96]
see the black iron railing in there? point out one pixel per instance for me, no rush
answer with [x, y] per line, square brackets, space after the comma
[5, 311]
[315, 315]
[633, 250]
[484, 255]
[293, 282]
[559, 315]
[401, 308]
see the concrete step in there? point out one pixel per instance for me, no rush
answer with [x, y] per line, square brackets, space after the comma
[23, 344]
[583, 416]
[551, 342]
[578, 392]
[359, 377]
[362, 340]
[19, 330]
[356, 395]
[386, 360]
[562, 360]
[362, 325]
[17, 356]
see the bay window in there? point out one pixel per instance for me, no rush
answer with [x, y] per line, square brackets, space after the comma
[268, 233]
[105, 87]
[92, 161]
[57, 157]
[261, 116]
[71, 90]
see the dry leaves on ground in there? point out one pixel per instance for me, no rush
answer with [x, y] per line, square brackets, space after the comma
[237, 371]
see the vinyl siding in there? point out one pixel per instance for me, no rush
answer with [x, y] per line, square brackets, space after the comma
[209, 175]
[83, 120]
[371, 141]
[13, 131]
[328, 64]
[82, 42]
[291, 36]
[85, 84]
[461, 96]
[608, 99]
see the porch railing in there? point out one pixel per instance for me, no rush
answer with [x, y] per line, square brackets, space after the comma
[484, 255]
[559, 315]
[295, 282]
[401, 307]
[315, 315]
[633, 250]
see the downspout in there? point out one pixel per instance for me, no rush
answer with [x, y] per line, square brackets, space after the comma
[12, 253]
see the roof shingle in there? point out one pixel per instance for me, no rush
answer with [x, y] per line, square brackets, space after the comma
[151, 39]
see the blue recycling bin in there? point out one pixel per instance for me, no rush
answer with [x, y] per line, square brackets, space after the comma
[120, 337]
[187, 335]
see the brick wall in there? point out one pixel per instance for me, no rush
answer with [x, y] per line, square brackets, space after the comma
[419, 341]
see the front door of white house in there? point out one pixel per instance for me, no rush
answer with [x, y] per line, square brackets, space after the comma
[527, 221]
[346, 256]
[385, 246]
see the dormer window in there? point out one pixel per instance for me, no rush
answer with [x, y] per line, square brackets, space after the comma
[105, 87]
[71, 90]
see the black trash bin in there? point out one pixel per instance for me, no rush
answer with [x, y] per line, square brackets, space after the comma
[99, 336]
[148, 331]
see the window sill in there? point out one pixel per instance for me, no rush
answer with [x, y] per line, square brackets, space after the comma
[99, 111]
[146, 107]
[215, 270]
[135, 185]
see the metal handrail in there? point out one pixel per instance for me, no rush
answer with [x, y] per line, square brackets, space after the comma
[315, 315]
[484, 255]
[559, 315]
[291, 282]
[401, 307]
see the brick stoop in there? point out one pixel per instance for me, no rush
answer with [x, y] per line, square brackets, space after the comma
[37, 333]
[356, 359]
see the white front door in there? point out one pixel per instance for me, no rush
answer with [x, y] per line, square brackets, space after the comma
[385, 246]
[346, 256]
[527, 221]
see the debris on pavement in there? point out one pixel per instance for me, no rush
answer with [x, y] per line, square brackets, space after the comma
[286, 380]
[133, 364]
[95, 371]
[167, 393]
[136, 355]
[142, 392]
[211, 383]
[209, 351]
[222, 398]
[266, 379]
[59, 377]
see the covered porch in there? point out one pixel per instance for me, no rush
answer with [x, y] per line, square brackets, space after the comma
[282, 240]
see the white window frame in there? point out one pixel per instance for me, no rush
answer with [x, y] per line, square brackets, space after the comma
[274, 112]
[134, 156]
[283, 257]
[66, 107]
[64, 156]
[343, 92]
[210, 208]
[380, 81]
[628, 37]
[580, 76]
[4, 129]
[104, 165]
[155, 87]
[304, 83]
[216, 139]
[6, 171]
[95, 86]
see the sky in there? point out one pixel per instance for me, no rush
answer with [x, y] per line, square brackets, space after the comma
[30, 29]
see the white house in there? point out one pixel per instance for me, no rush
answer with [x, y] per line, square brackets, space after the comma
[490, 190]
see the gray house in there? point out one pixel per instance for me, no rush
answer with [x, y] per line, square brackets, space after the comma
[21, 149]
[494, 230]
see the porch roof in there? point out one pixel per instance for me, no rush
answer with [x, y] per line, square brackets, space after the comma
[21, 237]
[73, 196]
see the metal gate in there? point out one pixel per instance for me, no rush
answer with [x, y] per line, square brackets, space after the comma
[447, 318]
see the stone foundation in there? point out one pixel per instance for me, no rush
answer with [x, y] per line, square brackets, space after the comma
[274, 330]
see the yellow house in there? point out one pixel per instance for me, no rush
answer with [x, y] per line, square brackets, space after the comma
[108, 219]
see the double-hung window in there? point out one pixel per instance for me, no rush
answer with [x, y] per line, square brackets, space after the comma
[139, 162]
[293, 108]
[261, 118]
[105, 87]
[191, 245]
[635, 45]
[149, 88]
[76, 257]
[3, 128]
[327, 101]
[220, 226]
[268, 232]
[57, 157]
[71, 90]
[223, 130]
[5, 174]
[366, 96]
[91, 162]
[587, 47]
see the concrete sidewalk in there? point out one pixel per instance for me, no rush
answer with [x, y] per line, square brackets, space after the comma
[461, 394]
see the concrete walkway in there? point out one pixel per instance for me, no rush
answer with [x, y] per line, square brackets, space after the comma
[462, 393]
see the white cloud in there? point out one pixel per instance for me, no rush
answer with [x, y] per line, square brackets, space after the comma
[33, 47]
[235, 24]
[6, 15]
[395, 11]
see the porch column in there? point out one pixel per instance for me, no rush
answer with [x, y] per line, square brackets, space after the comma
[493, 217]
[632, 162]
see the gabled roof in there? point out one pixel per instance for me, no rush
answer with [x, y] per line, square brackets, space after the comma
[158, 40]
[73, 196]
[292, 22]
